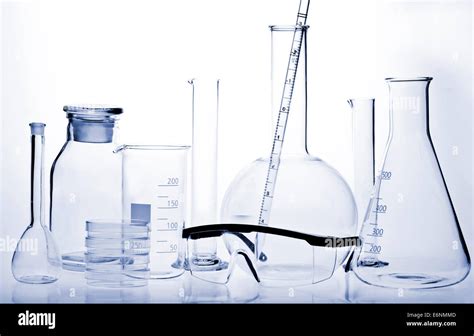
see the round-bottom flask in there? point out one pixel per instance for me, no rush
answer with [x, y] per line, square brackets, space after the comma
[309, 196]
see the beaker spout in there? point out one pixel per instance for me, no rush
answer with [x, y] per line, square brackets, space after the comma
[120, 149]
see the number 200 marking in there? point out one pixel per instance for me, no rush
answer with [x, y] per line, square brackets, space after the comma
[375, 248]
[173, 180]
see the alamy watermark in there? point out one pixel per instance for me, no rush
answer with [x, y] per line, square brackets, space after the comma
[342, 242]
[9, 244]
[37, 319]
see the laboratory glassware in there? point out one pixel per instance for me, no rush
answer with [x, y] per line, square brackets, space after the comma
[204, 209]
[363, 151]
[154, 189]
[411, 234]
[117, 253]
[85, 178]
[36, 259]
[239, 238]
[309, 196]
[286, 98]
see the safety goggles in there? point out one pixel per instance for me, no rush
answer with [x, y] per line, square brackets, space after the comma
[285, 257]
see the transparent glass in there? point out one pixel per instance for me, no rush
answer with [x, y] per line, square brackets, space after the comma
[117, 253]
[154, 189]
[204, 209]
[240, 250]
[85, 179]
[310, 196]
[411, 234]
[363, 151]
[36, 259]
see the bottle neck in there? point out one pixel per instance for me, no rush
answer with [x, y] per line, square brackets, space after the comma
[408, 109]
[92, 131]
[37, 179]
[295, 133]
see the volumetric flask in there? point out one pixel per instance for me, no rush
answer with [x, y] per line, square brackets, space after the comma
[36, 259]
[411, 234]
[154, 190]
[310, 196]
[85, 179]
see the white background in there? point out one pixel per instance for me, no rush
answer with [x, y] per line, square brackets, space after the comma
[139, 54]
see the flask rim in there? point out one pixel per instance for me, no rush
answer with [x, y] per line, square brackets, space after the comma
[92, 110]
[288, 28]
[408, 79]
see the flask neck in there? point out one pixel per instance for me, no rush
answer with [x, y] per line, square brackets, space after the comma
[408, 107]
[295, 132]
[101, 130]
[37, 179]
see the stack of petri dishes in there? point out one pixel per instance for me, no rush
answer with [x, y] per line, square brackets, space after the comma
[117, 253]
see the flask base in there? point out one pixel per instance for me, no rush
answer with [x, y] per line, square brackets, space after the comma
[206, 263]
[173, 273]
[37, 279]
[408, 280]
[74, 262]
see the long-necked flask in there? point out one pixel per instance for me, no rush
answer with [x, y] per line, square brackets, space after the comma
[309, 196]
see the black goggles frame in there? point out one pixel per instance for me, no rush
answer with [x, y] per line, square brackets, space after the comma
[217, 230]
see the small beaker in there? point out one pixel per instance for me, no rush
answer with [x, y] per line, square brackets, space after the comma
[154, 180]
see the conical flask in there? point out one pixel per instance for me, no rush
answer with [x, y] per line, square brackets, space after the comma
[411, 234]
[36, 259]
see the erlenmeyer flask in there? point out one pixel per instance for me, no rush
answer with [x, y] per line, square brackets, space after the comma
[411, 234]
[310, 196]
[36, 259]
